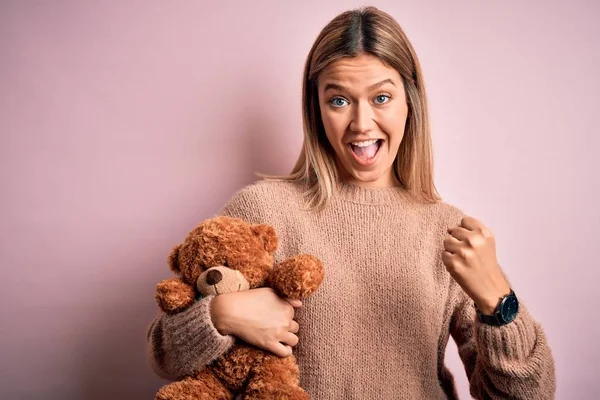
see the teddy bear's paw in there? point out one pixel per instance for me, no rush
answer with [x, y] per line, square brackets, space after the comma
[297, 277]
[297, 394]
[193, 389]
[173, 295]
[277, 393]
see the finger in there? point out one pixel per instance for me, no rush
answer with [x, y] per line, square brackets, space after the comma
[289, 338]
[294, 302]
[294, 327]
[290, 311]
[473, 224]
[446, 258]
[452, 245]
[281, 350]
[460, 233]
[452, 262]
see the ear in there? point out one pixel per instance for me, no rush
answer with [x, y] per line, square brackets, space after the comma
[174, 259]
[266, 234]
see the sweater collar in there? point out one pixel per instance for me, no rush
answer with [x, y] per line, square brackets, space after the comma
[365, 195]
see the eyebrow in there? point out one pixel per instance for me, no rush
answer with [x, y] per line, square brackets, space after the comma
[335, 86]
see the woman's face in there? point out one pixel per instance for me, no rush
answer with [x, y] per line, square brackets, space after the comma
[363, 106]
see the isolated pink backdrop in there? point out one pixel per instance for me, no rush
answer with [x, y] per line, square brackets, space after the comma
[124, 123]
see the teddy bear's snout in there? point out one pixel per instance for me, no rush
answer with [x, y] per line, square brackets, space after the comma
[221, 279]
[213, 277]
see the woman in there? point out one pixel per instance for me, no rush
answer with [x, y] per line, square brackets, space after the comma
[404, 270]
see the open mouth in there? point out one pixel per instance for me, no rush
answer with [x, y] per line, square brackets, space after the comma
[365, 152]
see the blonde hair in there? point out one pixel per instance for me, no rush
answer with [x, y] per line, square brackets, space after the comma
[350, 34]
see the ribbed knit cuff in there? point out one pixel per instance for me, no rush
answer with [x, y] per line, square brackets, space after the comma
[191, 341]
[507, 347]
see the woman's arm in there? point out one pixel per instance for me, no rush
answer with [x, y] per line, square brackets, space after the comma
[185, 342]
[179, 344]
[511, 361]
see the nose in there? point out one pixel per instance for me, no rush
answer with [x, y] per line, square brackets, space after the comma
[362, 119]
[213, 277]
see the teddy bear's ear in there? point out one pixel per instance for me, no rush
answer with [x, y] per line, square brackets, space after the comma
[267, 235]
[174, 259]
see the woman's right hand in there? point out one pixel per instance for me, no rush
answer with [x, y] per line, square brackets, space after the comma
[259, 317]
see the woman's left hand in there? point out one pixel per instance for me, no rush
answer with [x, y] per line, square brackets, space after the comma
[470, 258]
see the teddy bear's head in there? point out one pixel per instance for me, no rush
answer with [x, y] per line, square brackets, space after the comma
[225, 254]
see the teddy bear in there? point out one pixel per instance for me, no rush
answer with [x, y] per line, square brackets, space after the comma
[222, 255]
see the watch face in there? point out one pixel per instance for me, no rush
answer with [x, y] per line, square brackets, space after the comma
[509, 309]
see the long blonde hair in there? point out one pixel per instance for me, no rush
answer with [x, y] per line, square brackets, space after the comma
[354, 32]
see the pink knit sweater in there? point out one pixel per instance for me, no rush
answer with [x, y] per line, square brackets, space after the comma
[378, 326]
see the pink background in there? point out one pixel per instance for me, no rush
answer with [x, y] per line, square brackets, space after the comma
[122, 124]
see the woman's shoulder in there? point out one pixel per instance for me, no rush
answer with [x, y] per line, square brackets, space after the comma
[268, 192]
[260, 201]
[450, 212]
[442, 213]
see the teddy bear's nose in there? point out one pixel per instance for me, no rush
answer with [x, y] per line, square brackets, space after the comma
[213, 277]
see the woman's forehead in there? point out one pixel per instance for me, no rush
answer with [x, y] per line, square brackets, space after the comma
[358, 72]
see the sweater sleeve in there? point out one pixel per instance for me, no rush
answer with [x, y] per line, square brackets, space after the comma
[182, 343]
[511, 361]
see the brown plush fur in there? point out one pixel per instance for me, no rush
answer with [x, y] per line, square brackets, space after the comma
[174, 295]
[205, 261]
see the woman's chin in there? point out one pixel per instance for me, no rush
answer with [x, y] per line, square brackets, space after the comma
[372, 179]
[374, 175]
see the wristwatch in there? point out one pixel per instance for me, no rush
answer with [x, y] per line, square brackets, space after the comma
[505, 312]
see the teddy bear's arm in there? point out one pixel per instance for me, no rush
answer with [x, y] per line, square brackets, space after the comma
[297, 277]
[174, 295]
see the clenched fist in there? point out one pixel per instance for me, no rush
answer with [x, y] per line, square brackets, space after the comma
[470, 258]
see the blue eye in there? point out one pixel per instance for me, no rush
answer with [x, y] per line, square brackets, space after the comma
[384, 96]
[337, 102]
[340, 102]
